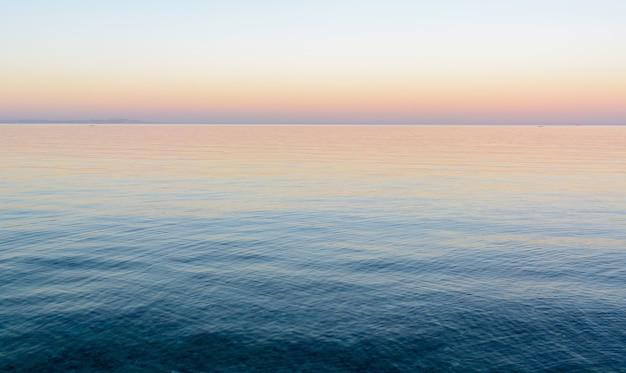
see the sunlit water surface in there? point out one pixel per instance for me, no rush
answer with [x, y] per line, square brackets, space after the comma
[312, 248]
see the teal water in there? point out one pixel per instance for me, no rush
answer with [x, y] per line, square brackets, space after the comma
[312, 248]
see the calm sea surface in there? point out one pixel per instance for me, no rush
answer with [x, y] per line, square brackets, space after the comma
[312, 248]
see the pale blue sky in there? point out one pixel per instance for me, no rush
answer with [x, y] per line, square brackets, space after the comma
[199, 46]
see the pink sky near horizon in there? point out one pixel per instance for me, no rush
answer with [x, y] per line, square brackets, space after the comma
[389, 64]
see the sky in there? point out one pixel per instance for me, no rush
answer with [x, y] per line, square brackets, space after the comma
[340, 61]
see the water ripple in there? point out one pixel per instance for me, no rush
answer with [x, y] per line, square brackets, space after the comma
[321, 248]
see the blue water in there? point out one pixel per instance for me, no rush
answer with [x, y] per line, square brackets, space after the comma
[309, 249]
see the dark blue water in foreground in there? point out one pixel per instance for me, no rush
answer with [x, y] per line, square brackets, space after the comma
[334, 249]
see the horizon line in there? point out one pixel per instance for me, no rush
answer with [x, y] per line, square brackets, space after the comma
[86, 123]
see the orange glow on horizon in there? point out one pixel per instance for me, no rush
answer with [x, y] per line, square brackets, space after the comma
[153, 96]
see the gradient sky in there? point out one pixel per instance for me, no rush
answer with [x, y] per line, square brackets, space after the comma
[340, 61]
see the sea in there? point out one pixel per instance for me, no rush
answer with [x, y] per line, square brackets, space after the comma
[312, 248]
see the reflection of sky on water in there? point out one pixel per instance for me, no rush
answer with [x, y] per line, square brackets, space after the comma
[194, 248]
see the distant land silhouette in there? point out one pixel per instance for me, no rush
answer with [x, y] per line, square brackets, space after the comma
[79, 121]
